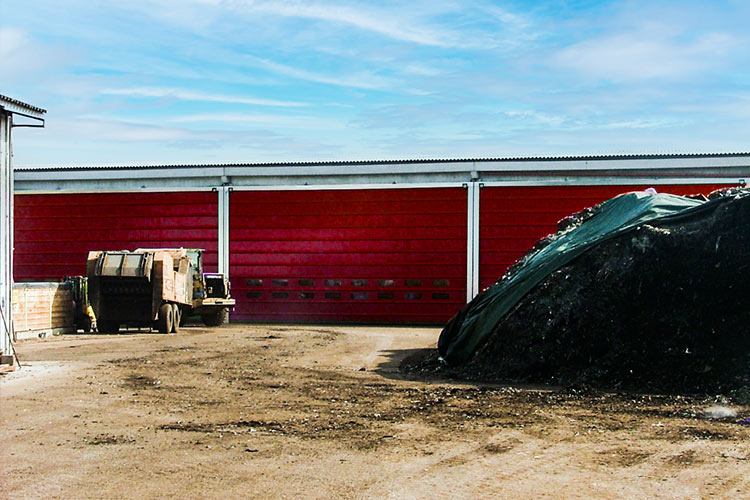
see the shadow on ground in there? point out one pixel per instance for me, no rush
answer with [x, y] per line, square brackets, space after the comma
[423, 365]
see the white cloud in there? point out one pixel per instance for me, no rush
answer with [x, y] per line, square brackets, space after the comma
[421, 69]
[188, 95]
[641, 123]
[107, 129]
[536, 117]
[266, 120]
[383, 23]
[644, 56]
[509, 18]
[420, 23]
[20, 53]
[367, 81]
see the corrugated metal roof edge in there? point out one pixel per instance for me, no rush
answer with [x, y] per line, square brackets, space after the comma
[388, 162]
[21, 103]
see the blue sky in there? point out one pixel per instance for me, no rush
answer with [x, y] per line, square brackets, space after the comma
[212, 81]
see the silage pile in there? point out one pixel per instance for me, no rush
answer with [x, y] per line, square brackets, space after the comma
[663, 307]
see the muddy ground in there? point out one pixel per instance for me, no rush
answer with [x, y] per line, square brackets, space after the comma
[324, 412]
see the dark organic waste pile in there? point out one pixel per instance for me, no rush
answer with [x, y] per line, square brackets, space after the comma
[665, 307]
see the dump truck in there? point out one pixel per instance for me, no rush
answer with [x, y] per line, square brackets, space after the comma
[154, 288]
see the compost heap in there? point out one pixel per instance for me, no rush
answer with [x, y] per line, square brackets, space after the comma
[644, 291]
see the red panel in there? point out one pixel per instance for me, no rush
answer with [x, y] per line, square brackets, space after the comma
[512, 219]
[376, 256]
[55, 232]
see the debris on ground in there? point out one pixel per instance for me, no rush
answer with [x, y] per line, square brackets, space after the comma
[660, 305]
[719, 413]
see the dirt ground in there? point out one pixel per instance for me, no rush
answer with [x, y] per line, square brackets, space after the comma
[323, 412]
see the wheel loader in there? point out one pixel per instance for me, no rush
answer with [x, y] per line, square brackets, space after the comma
[154, 288]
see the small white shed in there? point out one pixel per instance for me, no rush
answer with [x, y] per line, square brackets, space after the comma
[9, 108]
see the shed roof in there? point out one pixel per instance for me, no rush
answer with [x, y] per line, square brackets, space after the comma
[729, 168]
[15, 106]
[423, 161]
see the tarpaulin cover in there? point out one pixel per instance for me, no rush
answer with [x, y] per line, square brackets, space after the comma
[468, 329]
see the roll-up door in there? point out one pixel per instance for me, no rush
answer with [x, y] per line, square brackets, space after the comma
[512, 219]
[370, 255]
[55, 232]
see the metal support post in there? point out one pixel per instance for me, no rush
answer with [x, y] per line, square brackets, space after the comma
[472, 239]
[223, 230]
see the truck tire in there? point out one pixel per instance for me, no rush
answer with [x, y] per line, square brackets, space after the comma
[216, 318]
[166, 318]
[108, 326]
[176, 314]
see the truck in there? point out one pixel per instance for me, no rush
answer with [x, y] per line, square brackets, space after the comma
[154, 288]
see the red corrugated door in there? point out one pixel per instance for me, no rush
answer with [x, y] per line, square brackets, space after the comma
[378, 256]
[55, 232]
[512, 219]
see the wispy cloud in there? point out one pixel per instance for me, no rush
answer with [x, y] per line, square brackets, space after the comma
[265, 120]
[535, 117]
[641, 123]
[22, 53]
[189, 95]
[159, 144]
[367, 81]
[421, 70]
[641, 56]
[108, 129]
[153, 80]
[361, 17]
[429, 24]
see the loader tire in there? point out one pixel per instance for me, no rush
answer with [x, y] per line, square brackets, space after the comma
[216, 318]
[176, 314]
[166, 318]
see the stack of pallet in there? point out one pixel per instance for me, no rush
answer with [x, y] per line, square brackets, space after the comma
[41, 309]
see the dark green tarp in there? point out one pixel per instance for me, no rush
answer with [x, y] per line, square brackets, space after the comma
[471, 327]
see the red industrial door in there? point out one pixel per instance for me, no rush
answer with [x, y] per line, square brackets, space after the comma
[54, 232]
[512, 219]
[386, 255]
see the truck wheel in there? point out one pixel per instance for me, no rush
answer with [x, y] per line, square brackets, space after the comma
[166, 318]
[108, 326]
[176, 314]
[215, 318]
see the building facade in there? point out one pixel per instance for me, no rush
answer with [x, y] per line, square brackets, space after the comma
[393, 242]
